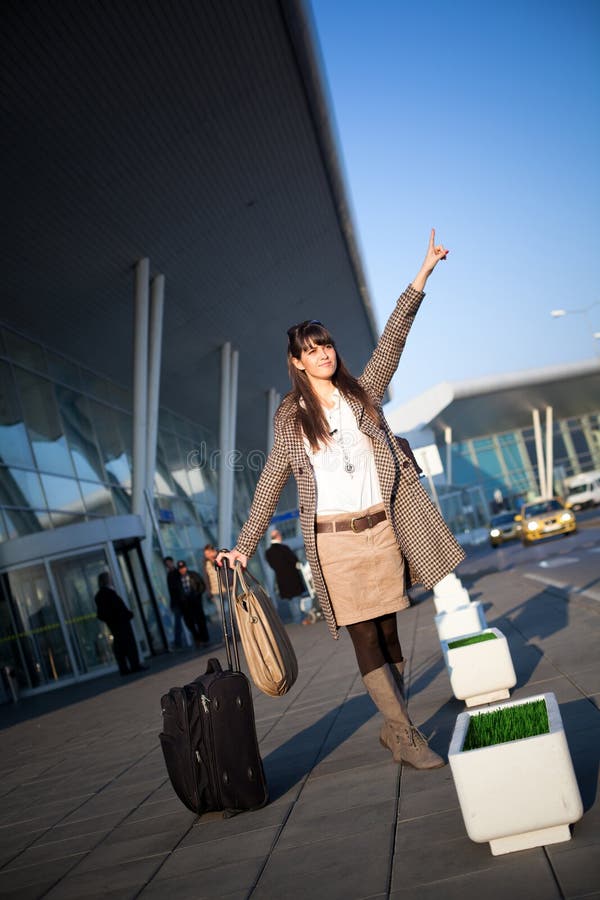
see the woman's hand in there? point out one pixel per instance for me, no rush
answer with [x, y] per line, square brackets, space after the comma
[435, 252]
[232, 557]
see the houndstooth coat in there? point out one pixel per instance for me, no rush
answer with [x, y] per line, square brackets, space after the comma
[425, 541]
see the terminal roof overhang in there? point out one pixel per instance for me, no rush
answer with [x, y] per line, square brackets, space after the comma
[501, 403]
[195, 134]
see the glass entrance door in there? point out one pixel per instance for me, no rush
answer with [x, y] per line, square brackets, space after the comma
[142, 598]
[35, 635]
[77, 583]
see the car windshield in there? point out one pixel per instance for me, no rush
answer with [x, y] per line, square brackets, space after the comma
[503, 519]
[538, 509]
[580, 489]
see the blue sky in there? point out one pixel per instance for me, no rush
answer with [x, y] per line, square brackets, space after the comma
[482, 120]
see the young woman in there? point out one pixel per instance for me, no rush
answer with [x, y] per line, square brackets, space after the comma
[368, 524]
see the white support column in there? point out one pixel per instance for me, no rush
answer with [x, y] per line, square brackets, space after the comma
[539, 451]
[140, 386]
[448, 440]
[549, 452]
[233, 402]
[154, 362]
[273, 401]
[429, 477]
[224, 529]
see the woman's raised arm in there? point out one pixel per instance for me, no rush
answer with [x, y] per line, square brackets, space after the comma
[384, 361]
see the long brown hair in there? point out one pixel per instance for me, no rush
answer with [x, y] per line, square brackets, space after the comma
[310, 415]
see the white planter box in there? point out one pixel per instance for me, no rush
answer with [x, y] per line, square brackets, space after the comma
[448, 584]
[468, 619]
[447, 602]
[449, 593]
[520, 794]
[481, 672]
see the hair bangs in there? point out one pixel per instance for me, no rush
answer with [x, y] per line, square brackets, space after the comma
[315, 335]
[310, 333]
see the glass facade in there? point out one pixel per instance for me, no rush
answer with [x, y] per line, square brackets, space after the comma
[66, 458]
[66, 453]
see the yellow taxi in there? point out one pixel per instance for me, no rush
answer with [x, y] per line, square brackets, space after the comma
[545, 518]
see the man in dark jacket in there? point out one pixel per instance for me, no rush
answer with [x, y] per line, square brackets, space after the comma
[188, 587]
[117, 617]
[174, 586]
[290, 583]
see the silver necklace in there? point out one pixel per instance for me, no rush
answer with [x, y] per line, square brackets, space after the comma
[348, 464]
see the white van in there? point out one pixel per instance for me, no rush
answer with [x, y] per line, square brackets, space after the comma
[582, 490]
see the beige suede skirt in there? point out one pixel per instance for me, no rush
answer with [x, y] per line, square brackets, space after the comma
[364, 572]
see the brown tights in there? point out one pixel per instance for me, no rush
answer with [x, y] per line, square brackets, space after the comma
[376, 642]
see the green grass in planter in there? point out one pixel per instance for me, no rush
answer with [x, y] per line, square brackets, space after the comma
[511, 723]
[474, 639]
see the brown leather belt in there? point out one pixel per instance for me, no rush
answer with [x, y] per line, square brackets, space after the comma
[355, 524]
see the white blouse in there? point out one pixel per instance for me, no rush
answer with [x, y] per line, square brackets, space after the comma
[339, 490]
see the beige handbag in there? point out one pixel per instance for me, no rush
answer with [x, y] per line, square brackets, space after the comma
[268, 650]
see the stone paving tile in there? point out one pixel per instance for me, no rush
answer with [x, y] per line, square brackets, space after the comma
[107, 802]
[576, 869]
[119, 881]
[231, 880]
[353, 755]
[42, 852]
[343, 790]
[584, 832]
[587, 679]
[430, 799]
[209, 828]
[29, 892]
[218, 852]
[178, 821]
[324, 869]
[158, 805]
[112, 853]
[525, 879]
[305, 826]
[15, 812]
[29, 876]
[435, 858]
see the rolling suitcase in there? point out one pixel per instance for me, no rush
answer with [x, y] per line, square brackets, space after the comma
[209, 736]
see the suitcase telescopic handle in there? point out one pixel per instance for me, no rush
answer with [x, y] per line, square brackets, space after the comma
[227, 621]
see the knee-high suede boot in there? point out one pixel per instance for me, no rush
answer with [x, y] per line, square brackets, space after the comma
[406, 742]
[397, 670]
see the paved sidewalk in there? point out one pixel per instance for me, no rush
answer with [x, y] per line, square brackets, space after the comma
[87, 810]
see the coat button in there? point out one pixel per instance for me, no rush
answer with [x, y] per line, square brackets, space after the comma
[300, 471]
[301, 509]
[405, 464]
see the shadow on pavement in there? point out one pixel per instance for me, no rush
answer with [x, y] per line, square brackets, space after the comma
[41, 704]
[295, 758]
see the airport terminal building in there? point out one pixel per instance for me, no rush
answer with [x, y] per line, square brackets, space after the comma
[516, 436]
[175, 203]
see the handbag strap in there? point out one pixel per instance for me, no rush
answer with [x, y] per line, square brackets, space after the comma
[242, 577]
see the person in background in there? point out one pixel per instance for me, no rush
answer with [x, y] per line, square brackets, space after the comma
[212, 579]
[188, 591]
[173, 585]
[290, 583]
[366, 519]
[117, 616]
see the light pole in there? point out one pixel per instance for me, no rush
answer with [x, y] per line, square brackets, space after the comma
[584, 311]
